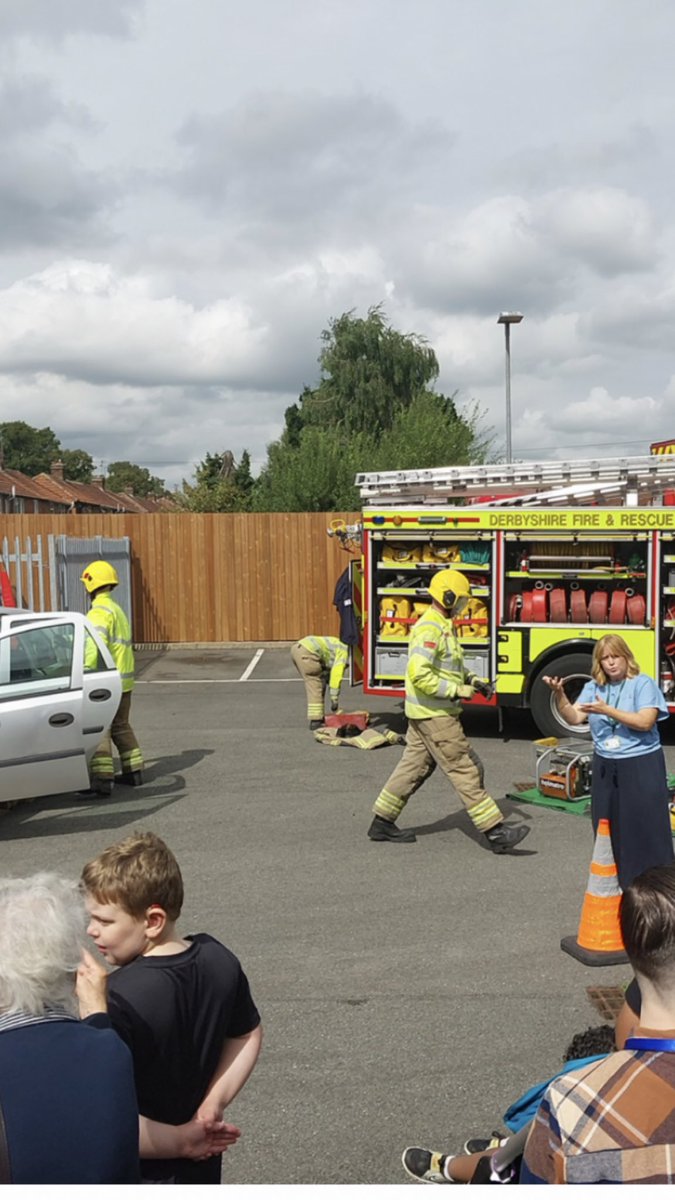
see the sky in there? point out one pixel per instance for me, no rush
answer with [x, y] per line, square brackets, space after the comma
[190, 190]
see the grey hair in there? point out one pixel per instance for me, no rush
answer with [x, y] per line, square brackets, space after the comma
[42, 932]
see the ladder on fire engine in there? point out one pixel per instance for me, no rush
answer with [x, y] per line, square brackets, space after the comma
[623, 481]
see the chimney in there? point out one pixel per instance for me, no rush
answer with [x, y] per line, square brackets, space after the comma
[98, 480]
[56, 471]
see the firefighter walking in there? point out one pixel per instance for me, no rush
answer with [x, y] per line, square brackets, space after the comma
[111, 623]
[435, 683]
[320, 661]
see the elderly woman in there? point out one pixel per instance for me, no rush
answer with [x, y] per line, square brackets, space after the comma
[67, 1094]
[629, 787]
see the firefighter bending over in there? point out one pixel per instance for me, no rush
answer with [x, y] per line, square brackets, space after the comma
[435, 683]
[320, 661]
[111, 622]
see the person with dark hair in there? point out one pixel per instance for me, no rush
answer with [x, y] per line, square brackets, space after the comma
[614, 1121]
[629, 786]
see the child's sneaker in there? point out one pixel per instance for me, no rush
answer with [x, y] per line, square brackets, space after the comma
[480, 1145]
[426, 1165]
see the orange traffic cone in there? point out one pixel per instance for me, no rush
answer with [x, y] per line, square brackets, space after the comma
[6, 594]
[599, 942]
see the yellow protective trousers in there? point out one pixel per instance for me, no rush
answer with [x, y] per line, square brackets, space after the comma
[432, 742]
[315, 678]
[121, 733]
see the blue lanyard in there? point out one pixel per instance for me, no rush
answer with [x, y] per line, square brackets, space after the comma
[640, 1043]
[612, 720]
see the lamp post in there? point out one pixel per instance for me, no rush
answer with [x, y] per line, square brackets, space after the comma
[507, 319]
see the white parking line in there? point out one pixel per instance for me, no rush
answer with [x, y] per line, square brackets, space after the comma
[290, 679]
[251, 666]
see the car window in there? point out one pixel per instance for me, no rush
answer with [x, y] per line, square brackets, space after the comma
[33, 661]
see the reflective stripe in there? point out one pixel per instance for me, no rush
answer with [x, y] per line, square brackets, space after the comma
[485, 815]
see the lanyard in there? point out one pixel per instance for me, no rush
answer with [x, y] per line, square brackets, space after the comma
[640, 1043]
[612, 720]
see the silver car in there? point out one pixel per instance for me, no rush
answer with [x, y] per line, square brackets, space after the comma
[53, 710]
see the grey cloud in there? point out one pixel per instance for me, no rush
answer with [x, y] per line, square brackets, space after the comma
[53, 20]
[29, 105]
[614, 160]
[47, 198]
[282, 159]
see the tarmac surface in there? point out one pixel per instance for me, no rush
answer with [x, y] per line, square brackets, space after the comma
[408, 992]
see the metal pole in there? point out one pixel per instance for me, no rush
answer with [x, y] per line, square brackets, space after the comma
[507, 344]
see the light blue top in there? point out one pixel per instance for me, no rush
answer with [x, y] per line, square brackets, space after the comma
[630, 696]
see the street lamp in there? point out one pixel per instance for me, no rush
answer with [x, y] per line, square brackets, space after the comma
[507, 319]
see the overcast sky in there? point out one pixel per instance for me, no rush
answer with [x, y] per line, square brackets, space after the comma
[191, 189]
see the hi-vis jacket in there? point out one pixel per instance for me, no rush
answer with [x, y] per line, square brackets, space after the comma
[111, 622]
[435, 668]
[333, 656]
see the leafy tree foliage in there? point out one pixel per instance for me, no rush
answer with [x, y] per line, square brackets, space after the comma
[28, 449]
[220, 484]
[124, 475]
[78, 466]
[373, 409]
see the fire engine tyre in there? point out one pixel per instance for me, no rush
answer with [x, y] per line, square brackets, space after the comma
[575, 669]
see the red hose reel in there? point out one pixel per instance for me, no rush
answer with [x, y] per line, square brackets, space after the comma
[549, 603]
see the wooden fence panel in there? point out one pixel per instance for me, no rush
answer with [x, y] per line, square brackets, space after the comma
[216, 577]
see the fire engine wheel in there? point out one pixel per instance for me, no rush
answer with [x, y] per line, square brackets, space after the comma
[575, 669]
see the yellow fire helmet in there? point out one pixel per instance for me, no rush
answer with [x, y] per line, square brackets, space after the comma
[451, 589]
[99, 574]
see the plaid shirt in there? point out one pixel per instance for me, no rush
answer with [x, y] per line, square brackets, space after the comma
[611, 1122]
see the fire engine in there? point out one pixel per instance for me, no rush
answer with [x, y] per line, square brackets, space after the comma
[558, 554]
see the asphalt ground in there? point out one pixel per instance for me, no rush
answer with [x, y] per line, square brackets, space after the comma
[408, 993]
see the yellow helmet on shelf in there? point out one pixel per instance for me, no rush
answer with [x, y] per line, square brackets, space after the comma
[99, 574]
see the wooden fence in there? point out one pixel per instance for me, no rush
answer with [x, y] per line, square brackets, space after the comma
[217, 577]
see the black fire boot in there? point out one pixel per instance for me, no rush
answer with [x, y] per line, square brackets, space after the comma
[502, 838]
[386, 831]
[130, 778]
[315, 725]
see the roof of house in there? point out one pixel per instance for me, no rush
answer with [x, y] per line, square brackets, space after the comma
[15, 483]
[89, 494]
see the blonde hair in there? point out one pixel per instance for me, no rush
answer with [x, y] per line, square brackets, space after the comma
[135, 873]
[42, 932]
[611, 643]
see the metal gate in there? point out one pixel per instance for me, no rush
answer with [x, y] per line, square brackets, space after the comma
[72, 555]
[51, 582]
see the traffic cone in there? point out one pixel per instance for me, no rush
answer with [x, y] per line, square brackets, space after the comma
[6, 594]
[599, 942]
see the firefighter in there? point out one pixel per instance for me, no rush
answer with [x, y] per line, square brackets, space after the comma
[111, 623]
[320, 661]
[435, 683]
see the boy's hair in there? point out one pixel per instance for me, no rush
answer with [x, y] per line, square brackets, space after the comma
[647, 915]
[135, 873]
[597, 1039]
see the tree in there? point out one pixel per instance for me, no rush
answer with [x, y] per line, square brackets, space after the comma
[123, 476]
[373, 409]
[27, 449]
[78, 466]
[220, 484]
[368, 372]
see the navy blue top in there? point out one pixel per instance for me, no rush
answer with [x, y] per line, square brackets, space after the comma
[68, 1099]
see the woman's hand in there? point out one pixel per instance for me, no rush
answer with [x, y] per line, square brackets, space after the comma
[598, 706]
[555, 683]
[91, 986]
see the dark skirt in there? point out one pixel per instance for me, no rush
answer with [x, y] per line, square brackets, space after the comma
[632, 793]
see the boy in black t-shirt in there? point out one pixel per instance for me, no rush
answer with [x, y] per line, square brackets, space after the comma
[182, 1005]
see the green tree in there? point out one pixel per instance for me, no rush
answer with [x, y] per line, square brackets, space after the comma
[220, 484]
[78, 466]
[373, 409]
[124, 475]
[27, 449]
[242, 474]
[368, 372]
